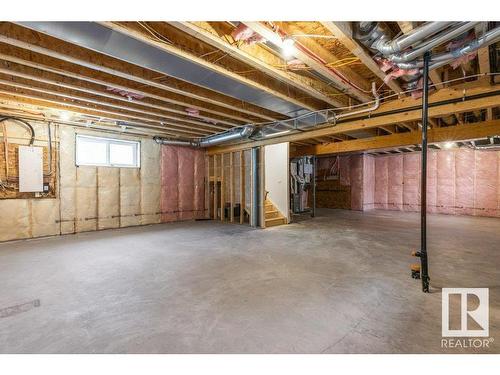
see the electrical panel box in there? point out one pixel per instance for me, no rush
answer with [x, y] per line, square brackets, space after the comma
[30, 169]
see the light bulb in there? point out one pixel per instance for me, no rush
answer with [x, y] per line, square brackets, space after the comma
[288, 47]
[65, 116]
[449, 145]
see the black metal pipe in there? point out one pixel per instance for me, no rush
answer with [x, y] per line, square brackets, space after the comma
[313, 212]
[424, 270]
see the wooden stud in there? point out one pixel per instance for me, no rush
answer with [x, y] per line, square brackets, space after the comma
[222, 188]
[231, 187]
[242, 186]
[216, 192]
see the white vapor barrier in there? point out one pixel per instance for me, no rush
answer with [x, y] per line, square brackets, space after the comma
[87, 197]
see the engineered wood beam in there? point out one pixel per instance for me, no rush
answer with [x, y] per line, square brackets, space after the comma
[448, 134]
[396, 111]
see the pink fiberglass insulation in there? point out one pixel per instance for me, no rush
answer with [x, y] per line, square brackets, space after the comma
[345, 174]
[411, 182]
[431, 181]
[170, 184]
[460, 181]
[356, 182]
[464, 182]
[445, 192]
[395, 182]
[486, 197]
[182, 191]
[186, 183]
[368, 182]
[199, 185]
[381, 183]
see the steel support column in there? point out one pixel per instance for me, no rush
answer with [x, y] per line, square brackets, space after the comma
[424, 269]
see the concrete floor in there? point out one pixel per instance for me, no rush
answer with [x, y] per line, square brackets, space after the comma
[336, 284]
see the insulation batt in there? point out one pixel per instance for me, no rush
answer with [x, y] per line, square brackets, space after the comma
[459, 182]
[182, 183]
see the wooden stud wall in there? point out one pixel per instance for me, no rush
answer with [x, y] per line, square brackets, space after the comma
[228, 175]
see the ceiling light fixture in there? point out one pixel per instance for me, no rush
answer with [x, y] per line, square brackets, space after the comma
[288, 47]
[65, 116]
[448, 145]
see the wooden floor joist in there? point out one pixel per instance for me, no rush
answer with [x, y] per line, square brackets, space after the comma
[257, 60]
[207, 64]
[97, 67]
[83, 79]
[343, 32]
[447, 134]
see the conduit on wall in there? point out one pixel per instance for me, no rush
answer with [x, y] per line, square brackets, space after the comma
[182, 183]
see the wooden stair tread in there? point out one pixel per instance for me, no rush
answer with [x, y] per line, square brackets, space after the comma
[273, 216]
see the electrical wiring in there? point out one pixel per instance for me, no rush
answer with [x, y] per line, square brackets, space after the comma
[156, 35]
[374, 101]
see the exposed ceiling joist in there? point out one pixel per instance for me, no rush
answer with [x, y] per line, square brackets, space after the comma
[112, 115]
[61, 56]
[211, 66]
[343, 32]
[131, 105]
[257, 57]
[143, 92]
[101, 105]
[483, 56]
[316, 65]
[433, 74]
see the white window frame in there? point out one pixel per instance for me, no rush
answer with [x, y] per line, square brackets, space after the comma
[108, 142]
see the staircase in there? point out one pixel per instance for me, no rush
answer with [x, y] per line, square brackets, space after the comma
[273, 216]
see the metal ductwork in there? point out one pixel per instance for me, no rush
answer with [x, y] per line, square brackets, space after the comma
[97, 37]
[175, 142]
[236, 134]
[405, 51]
[375, 36]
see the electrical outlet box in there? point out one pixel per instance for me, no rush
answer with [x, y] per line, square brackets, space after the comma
[46, 187]
[30, 169]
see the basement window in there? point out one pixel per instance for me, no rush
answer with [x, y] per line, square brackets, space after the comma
[107, 152]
